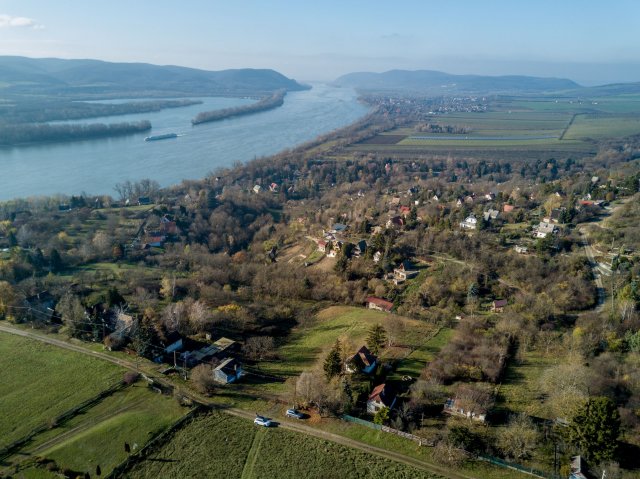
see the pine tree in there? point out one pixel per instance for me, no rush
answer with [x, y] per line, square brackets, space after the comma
[595, 429]
[333, 362]
[376, 339]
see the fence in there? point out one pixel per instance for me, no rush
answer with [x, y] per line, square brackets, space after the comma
[424, 442]
[121, 469]
[378, 427]
[517, 467]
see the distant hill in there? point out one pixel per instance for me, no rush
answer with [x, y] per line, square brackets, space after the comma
[439, 83]
[53, 76]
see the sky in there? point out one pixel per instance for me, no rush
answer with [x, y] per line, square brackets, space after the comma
[591, 42]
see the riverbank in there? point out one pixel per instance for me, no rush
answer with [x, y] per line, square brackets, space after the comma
[268, 103]
[96, 165]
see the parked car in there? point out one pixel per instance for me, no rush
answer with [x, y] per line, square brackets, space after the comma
[294, 414]
[262, 421]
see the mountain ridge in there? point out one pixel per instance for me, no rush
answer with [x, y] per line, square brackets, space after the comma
[440, 83]
[78, 77]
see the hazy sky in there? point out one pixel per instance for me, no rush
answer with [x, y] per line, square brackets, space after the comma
[590, 41]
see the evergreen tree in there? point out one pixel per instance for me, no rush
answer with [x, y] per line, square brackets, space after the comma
[595, 428]
[333, 362]
[55, 261]
[376, 339]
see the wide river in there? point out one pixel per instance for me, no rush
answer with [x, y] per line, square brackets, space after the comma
[95, 166]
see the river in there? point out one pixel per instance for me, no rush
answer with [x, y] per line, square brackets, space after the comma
[95, 166]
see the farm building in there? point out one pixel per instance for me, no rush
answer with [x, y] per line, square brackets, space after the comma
[228, 371]
[379, 304]
[498, 305]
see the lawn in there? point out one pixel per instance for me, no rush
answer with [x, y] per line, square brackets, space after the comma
[308, 343]
[38, 382]
[520, 391]
[221, 446]
[413, 364]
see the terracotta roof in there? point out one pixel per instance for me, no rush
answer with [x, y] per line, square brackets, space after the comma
[381, 394]
[383, 303]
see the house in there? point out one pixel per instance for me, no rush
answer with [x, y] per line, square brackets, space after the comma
[173, 342]
[470, 223]
[168, 226]
[257, 188]
[498, 305]
[469, 199]
[490, 196]
[360, 248]
[405, 211]
[545, 229]
[322, 246]
[362, 361]
[521, 249]
[338, 228]
[193, 358]
[273, 187]
[469, 403]
[228, 371]
[334, 248]
[395, 222]
[395, 201]
[556, 215]
[144, 200]
[380, 397]
[491, 214]
[379, 304]
[154, 241]
[377, 230]
[459, 203]
[435, 198]
[578, 468]
[404, 272]
[41, 306]
[508, 208]
[377, 256]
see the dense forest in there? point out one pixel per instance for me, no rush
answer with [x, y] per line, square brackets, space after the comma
[268, 103]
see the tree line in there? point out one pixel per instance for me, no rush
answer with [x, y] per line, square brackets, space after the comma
[268, 103]
[38, 112]
[40, 133]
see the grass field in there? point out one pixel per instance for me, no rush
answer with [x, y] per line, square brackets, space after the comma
[134, 415]
[413, 364]
[221, 446]
[38, 382]
[349, 324]
[598, 127]
[519, 391]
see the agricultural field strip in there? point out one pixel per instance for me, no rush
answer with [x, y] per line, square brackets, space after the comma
[24, 455]
[50, 443]
[248, 415]
[254, 452]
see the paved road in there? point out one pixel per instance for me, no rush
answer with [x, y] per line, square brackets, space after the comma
[293, 426]
[596, 271]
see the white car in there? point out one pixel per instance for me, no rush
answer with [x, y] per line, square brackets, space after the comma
[294, 414]
[262, 421]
